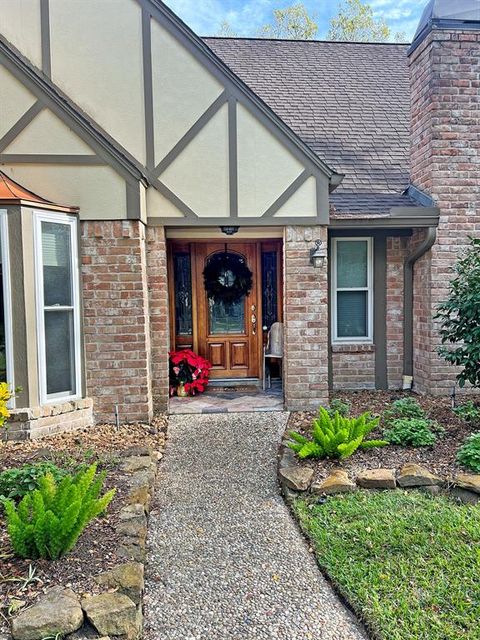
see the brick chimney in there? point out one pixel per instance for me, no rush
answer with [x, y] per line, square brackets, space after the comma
[444, 63]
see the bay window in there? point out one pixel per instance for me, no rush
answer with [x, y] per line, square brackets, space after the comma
[58, 313]
[6, 346]
[352, 290]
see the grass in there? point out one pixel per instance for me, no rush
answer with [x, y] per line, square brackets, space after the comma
[408, 563]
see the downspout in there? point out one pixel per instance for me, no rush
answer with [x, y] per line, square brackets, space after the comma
[408, 264]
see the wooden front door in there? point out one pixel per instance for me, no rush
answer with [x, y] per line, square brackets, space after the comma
[229, 333]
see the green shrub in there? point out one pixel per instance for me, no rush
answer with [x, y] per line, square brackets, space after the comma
[336, 437]
[468, 412]
[337, 405]
[404, 408]
[469, 453]
[49, 520]
[413, 432]
[15, 483]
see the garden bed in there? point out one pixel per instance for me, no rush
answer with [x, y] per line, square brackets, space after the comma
[96, 549]
[439, 459]
[406, 562]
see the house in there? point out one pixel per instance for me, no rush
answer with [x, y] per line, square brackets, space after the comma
[344, 176]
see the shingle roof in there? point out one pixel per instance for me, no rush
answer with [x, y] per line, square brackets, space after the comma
[348, 101]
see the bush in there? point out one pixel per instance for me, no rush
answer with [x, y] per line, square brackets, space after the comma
[343, 408]
[468, 412]
[49, 520]
[459, 317]
[336, 437]
[5, 395]
[413, 432]
[15, 483]
[469, 453]
[404, 408]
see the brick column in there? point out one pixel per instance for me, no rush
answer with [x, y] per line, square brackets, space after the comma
[116, 319]
[445, 163]
[159, 317]
[306, 321]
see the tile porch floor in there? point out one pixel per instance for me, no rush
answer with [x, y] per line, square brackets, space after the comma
[230, 400]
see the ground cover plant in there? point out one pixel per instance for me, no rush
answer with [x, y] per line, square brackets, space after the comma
[408, 563]
[18, 481]
[469, 412]
[335, 437]
[469, 453]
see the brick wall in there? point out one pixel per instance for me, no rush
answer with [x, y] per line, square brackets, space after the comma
[445, 162]
[306, 320]
[116, 319]
[397, 250]
[159, 320]
[353, 366]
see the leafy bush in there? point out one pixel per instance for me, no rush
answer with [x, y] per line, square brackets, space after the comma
[459, 317]
[336, 437]
[413, 432]
[404, 408]
[49, 520]
[15, 483]
[469, 453]
[468, 412]
[5, 395]
[343, 408]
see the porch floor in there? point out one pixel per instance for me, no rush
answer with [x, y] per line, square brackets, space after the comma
[234, 399]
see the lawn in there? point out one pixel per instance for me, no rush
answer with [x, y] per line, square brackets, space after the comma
[408, 563]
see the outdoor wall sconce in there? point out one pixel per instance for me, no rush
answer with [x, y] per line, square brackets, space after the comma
[317, 255]
[229, 231]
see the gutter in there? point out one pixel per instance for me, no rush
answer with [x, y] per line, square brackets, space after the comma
[408, 265]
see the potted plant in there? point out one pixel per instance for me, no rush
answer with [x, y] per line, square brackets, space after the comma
[189, 373]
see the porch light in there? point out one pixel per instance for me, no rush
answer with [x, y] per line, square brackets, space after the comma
[229, 231]
[317, 255]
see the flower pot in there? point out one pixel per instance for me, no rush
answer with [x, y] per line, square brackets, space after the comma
[181, 393]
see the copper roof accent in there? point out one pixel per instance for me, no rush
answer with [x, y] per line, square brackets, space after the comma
[13, 192]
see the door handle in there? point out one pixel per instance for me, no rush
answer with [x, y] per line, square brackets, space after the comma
[254, 323]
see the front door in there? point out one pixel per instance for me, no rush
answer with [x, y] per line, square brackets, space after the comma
[229, 332]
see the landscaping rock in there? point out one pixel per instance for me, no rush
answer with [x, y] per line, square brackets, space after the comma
[468, 481]
[127, 578]
[465, 496]
[132, 549]
[138, 450]
[59, 612]
[132, 511]
[337, 482]
[287, 458]
[297, 478]
[413, 475]
[133, 529]
[140, 495]
[113, 614]
[377, 479]
[86, 632]
[135, 463]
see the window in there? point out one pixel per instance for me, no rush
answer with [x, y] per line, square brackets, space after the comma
[352, 296]
[57, 307]
[6, 339]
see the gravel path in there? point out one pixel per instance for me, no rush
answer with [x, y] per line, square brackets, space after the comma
[226, 560]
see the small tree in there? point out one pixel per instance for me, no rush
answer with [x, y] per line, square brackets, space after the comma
[293, 23]
[459, 317]
[225, 30]
[356, 22]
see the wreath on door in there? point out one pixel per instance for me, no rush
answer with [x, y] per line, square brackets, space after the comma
[227, 278]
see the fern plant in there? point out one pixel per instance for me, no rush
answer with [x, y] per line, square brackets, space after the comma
[335, 437]
[49, 520]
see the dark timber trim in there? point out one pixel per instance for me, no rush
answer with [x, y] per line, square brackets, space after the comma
[190, 135]
[286, 195]
[380, 310]
[45, 37]
[50, 158]
[190, 217]
[233, 156]
[148, 88]
[197, 221]
[133, 200]
[20, 125]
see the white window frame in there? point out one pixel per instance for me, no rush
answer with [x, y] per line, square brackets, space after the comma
[368, 339]
[71, 221]
[7, 302]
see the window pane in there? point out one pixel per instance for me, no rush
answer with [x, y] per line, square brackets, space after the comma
[352, 260]
[57, 277]
[269, 288]
[59, 351]
[352, 314]
[183, 294]
[3, 347]
[227, 317]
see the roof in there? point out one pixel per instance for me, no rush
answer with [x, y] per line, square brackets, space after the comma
[13, 193]
[447, 14]
[349, 102]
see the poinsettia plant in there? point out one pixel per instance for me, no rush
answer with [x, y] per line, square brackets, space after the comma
[189, 370]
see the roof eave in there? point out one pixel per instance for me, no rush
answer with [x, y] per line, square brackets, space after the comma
[398, 217]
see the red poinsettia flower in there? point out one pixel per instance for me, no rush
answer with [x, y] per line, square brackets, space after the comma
[190, 370]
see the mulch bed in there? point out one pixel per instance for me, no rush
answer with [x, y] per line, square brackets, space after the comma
[439, 459]
[95, 550]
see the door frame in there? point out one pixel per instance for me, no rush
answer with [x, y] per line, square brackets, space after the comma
[189, 245]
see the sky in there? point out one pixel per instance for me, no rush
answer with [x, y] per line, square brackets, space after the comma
[247, 16]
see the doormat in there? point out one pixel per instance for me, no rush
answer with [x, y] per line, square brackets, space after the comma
[244, 388]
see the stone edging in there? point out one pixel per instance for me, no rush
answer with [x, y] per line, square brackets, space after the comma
[295, 478]
[118, 611]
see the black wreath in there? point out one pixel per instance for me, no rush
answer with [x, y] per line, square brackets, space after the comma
[227, 278]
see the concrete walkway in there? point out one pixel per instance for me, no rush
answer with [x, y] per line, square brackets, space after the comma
[226, 560]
